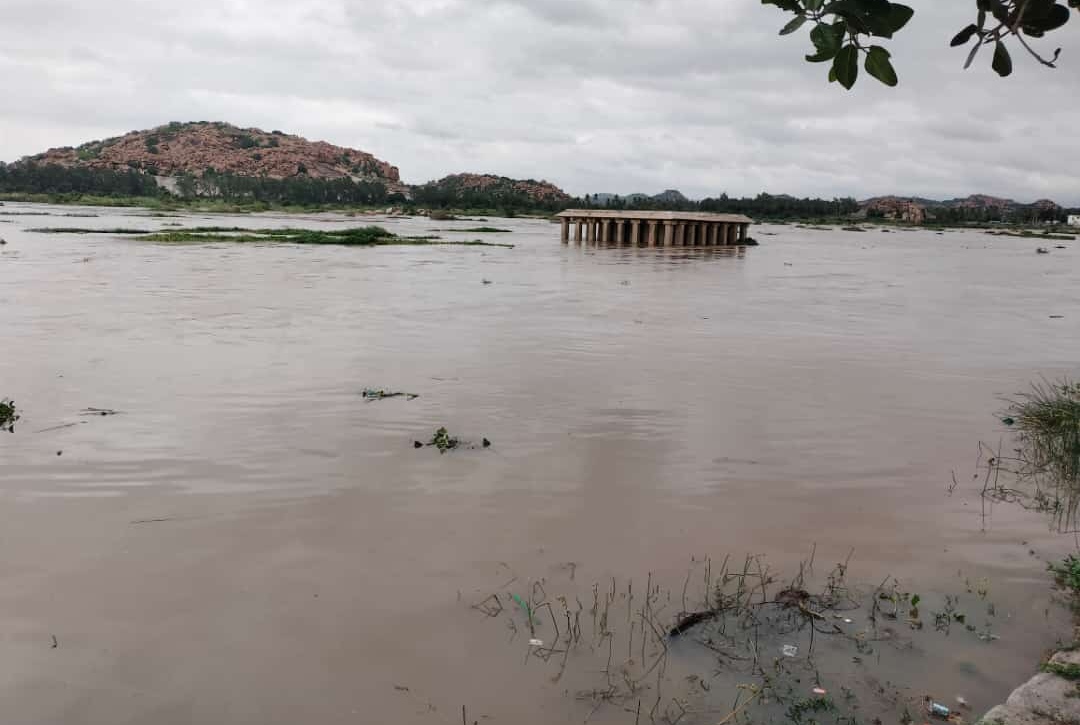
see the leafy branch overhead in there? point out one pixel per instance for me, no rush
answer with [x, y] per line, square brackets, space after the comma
[843, 32]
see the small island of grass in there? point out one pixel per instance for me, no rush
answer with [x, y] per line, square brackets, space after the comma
[368, 236]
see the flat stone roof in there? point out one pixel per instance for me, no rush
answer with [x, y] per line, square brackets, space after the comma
[675, 216]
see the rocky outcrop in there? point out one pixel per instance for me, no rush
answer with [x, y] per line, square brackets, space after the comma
[459, 188]
[1051, 697]
[891, 207]
[195, 148]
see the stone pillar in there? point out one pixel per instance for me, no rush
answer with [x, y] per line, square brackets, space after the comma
[691, 234]
[601, 230]
[565, 230]
[651, 233]
[635, 232]
[590, 230]
[713, 233]
[680, 234]
[743, 229]
[578, 231]
[704, 230]
[620, 224]
[669, 233]
[733, 238]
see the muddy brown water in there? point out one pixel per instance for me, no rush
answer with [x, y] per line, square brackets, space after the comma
[249, 541]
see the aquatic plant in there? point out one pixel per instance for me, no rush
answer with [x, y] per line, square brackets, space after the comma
[8, 415]
[368, 236]
[443, 441]
[1043, 471]
[1067, 573]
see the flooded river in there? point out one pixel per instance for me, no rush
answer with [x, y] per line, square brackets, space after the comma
[249, 541]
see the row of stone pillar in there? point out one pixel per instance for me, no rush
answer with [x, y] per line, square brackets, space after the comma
[652, 232]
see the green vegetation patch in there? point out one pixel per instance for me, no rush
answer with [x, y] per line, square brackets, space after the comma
[369, 236]
[1067, 573]
[1069, 672]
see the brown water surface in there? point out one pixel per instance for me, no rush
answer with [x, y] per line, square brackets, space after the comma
[249, 541]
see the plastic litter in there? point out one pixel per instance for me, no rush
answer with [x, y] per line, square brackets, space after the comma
[937, 710]
[962, 702]
[790, 650]
[536, 643]
[819, 691]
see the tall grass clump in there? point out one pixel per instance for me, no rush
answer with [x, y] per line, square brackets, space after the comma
[1045, 465]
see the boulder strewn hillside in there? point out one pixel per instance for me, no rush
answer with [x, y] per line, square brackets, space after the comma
[192, 148]
[467, 189]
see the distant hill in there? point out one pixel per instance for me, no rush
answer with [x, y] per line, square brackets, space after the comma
[670, 196]
[195, 148]
[483, 189]
[977, 207]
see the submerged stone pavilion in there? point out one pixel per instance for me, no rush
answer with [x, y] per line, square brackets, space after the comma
[654, 228]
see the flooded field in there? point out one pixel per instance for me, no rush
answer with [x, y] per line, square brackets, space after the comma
[250, 540]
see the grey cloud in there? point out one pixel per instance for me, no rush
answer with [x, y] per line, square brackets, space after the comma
[595, 95]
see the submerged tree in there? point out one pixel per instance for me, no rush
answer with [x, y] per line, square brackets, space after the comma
[843, 32]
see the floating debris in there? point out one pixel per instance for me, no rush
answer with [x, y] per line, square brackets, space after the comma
[1042, 250]
[370, 394]
[443, 441]
[99, 411]
[937, 710]
[790, 650]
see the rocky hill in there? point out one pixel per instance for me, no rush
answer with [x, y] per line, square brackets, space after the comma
[470, 189]
[975, 207]
[194, 148]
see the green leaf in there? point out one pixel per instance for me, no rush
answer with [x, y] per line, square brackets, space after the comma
[879, 66]
[846, 65]
[794, 25]
[815, 5]
[899, 15]
[1002, 63]
[915, 599]
[832, 74]
[827, 39]
[964, 35]
[1050, 18]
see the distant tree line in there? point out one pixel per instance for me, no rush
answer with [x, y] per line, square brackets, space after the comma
[502, 196]
[296, 190]
[54, 179]
[1006, 215]
[762, 206]
[33, 178]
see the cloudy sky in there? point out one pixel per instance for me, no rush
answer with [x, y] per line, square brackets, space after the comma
[594, 95]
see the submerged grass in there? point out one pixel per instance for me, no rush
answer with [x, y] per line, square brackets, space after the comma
[83, 230]
[369, 236]
[1028, 234]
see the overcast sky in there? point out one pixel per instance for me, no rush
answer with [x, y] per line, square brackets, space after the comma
[593, 95]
